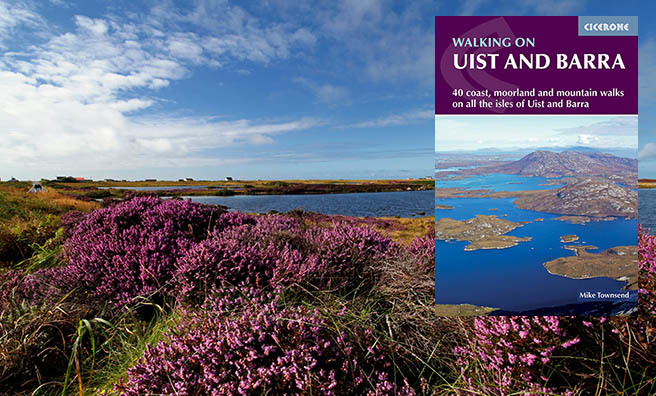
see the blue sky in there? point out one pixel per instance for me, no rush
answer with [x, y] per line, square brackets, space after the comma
[250, 89]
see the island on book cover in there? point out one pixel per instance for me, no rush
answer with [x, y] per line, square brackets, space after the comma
[536, 137]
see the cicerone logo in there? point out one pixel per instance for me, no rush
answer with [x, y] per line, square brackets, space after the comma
[615, 25]
[606, 27]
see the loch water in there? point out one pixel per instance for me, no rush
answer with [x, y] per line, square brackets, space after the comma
[377, 204]
[515, 279]
[647, 208]
[498, 182]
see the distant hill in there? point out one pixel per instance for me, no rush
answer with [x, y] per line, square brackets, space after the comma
[569, 163]
[598, 197]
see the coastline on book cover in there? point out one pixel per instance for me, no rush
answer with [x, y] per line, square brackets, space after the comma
[536, 161]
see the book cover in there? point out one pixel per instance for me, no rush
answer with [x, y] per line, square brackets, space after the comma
[536, 137]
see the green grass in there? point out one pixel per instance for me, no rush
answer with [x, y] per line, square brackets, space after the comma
[126, 342]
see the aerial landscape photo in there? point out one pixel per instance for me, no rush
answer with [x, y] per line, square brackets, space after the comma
[544, 225]
[226, 198]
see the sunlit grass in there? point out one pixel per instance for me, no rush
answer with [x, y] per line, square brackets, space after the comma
[29, 220]
[413, 227]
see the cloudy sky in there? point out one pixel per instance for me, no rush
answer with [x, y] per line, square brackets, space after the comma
[468, 133]
[251, 89]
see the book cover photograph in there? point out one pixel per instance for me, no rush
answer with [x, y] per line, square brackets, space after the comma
[536, 143]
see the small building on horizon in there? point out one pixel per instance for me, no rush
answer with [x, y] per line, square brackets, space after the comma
[70, 179]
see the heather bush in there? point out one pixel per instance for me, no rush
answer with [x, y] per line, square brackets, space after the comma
[18, 288]
[647, 268]
[278, 251]
[243, 251]
[257, 333]
[423, 249]
[505, 354]
[220, 262]
[253, 346]
[345, 252]
[233, 219]
[620, 350]
[131, 249]
[70, 220]
[558, 355]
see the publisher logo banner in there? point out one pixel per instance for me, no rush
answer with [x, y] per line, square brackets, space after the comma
[608, 26]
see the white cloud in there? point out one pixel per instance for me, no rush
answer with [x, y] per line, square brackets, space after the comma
[13, 15]
[351, 16]
[389, 45]
[230, 32]
[382, 43]
[647, 152]
[327, 93]
[647, 72]
[184, 46]
[618, 126]
[469, 7]
[587, 139]
[77, 100]
[406, 118]
[96, 27]
[61, 132]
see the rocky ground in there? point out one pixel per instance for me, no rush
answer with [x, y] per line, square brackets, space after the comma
[482, 232]
[593, 197]
[620, 262]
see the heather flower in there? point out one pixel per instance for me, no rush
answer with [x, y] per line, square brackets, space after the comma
[220, 261]
[277, 251]
[571, 342]
[423, 249]
[250, 346]
[343, 252]
[36, 288]
[647, 270]
[513, 351]
[131, 249]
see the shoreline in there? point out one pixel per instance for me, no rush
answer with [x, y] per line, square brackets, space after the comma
[116, 189]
